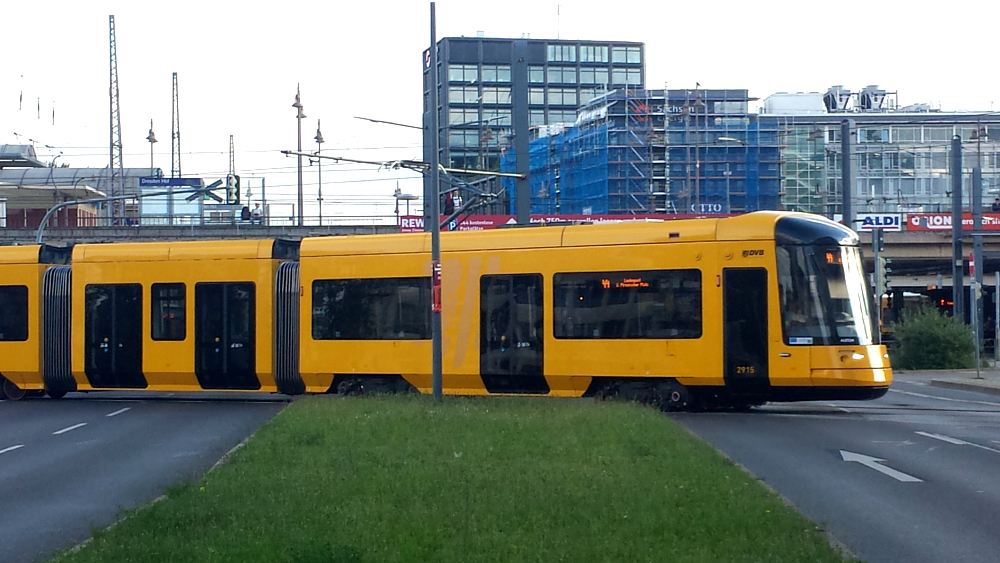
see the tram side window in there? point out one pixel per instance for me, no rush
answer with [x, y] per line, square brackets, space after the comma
[650, 304]
[168, 314]
[372, 309]
[13, 313]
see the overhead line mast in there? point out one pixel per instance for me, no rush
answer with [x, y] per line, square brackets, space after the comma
[117, 186]
[175, 134]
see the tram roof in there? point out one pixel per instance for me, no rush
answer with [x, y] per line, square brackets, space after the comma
[175, 251]
[20, 254]
[752, 226]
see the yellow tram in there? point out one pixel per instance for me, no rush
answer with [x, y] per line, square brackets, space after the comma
[768, 306]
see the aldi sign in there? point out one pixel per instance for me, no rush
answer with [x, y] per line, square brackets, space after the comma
[883, 221]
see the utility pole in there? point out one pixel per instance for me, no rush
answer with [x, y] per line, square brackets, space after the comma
[175, 132]
[977, 238]
[435, 214]
[299, 117]
[319, 191]
[846, 174]
[957, 275]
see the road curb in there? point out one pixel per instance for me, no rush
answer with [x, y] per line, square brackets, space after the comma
[965, 386]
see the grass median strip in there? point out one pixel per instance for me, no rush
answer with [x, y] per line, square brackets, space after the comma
[402, 478]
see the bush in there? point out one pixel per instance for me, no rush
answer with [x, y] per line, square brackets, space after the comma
[927, 339]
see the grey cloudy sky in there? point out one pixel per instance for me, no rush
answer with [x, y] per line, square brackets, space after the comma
[238, 65]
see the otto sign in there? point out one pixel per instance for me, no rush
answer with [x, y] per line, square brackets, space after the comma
[884, 221]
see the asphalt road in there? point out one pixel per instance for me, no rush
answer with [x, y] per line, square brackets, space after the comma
[70, 465]
[909, 478]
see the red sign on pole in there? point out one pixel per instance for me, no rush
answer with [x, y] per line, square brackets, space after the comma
[436, 286]
[972, 264]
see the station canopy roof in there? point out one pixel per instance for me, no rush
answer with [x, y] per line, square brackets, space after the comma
[19, 156]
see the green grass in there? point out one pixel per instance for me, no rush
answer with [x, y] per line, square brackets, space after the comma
[402, 478]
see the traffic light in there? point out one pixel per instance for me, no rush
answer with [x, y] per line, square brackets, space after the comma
[883, 276]
[233, 189]
[880, 276]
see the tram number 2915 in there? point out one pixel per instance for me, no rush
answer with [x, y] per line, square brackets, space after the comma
[746, 369]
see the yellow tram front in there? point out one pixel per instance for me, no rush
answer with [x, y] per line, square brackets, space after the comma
[828, 348]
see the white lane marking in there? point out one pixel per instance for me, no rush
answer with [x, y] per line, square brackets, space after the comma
[944, 398]
[10, 449]
[873, 463]
[64, 430]
[956, 441]
[118, 412]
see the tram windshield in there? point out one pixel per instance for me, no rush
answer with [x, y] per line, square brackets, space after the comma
[824, 295]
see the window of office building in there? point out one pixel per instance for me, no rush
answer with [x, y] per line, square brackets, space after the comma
[905, 134]
[496, 95]
[562, 96]
[536, 96]
[937, 133]
[463, 94]
[626, 76]
[536, 74]
[461, 116]
[497, 117]
[562, 53]
[463, 73]
[875, 135]
[562, 116]
[587, 94]
[463, 138]
[536, 117]
[593, 76]
[731, 108]
[496, 73]
[626, 55]
[593, 53]
[562, 75]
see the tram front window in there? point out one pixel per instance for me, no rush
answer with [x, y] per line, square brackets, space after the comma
[824, 296]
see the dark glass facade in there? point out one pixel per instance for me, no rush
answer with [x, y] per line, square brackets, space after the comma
[486, 83]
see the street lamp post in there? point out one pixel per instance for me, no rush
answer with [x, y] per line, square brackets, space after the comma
[299, 117]
[319, 193]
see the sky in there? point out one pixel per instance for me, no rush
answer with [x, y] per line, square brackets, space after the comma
[239, 66]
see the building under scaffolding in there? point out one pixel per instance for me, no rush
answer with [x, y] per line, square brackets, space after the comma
[656, 151]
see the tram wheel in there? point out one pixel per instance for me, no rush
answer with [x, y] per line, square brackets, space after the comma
[10, 391]
[673, 396]
[350, 386]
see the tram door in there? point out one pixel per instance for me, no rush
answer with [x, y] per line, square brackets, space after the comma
[510, 334]
[113, 335]
[225, 335]
[744, 314]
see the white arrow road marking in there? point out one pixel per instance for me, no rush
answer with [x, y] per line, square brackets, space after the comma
[64, 430]
[873, 462]
[118, 412]
[10, 449]
[956, 441]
